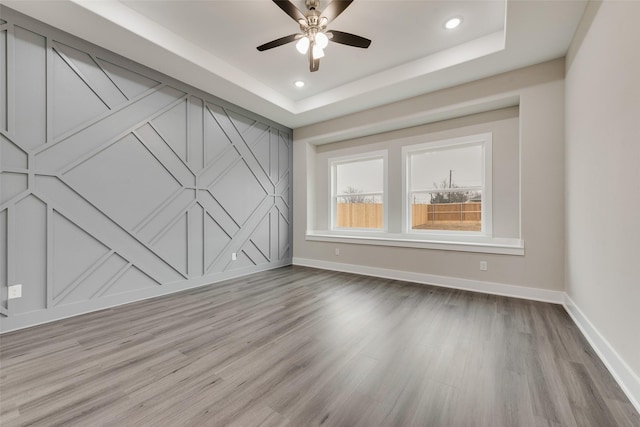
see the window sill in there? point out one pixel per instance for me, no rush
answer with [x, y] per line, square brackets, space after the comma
[479, 244]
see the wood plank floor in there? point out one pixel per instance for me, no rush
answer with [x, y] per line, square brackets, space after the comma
[302, 347]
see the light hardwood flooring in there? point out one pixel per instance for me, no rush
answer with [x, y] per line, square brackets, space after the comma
[301, 347]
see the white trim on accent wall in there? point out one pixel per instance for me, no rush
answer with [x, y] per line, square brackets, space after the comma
[628, 381]
[535, 294]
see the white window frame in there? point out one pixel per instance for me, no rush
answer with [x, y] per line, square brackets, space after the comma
[485, 141]
[478, 242]
[333, 196]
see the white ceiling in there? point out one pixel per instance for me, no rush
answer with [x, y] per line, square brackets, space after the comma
[211, 44]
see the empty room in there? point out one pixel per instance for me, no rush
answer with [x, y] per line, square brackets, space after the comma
[314, 212]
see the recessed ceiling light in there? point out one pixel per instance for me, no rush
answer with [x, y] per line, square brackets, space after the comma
[452, 23]
[299, 83]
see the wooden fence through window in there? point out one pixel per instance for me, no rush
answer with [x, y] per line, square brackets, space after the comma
[359, 215]
[440, 216]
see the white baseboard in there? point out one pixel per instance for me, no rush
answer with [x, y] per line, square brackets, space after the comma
[621, 372]
[628, 381]
[536, 294]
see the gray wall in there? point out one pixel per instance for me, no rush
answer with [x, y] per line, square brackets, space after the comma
[535, 143]
[119, 183]
[603, 181]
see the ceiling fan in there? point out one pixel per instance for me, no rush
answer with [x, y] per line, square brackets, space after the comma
[314, 36]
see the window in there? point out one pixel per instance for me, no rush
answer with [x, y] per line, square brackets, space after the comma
[448, 187]
[358, 199]
[436, 195]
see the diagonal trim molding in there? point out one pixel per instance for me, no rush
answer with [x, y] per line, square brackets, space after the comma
[161, 186]
[628, 380]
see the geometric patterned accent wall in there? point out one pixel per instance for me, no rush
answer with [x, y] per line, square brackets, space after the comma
[119, 183]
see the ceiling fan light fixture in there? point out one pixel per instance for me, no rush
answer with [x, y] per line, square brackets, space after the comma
[322, 40]
[303, 45]
[317, 52]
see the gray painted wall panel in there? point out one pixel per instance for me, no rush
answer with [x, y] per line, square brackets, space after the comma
[12, 185]
[3, 81]
[217, 142]
[196, 240]
[171, 127]
[96, 79]
[195, 113]
[119, 183]
[129, 83]
[74, 252]
[31, 254]
[3, 258]
[11, 157]
[30, 93]
[94, 283]
[74, 101]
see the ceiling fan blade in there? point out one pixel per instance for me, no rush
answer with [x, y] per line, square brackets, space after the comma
[335, 8]
[278, 42]
[290, 9]
[349, 39]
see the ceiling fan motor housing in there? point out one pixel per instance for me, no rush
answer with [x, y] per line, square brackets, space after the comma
[313, 21]
[312, 4]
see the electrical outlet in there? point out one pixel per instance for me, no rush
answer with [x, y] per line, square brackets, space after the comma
[337, 251]
[15, 291]
[484, 265]
[233, 256]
